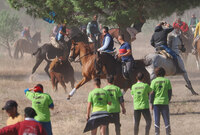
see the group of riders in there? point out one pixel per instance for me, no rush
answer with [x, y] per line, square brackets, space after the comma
[159, 39]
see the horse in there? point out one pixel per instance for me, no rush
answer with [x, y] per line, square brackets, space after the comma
[24, 46]
[61, 71]
[154, 60]
[48, 52]
[88, 60]
[114, 32]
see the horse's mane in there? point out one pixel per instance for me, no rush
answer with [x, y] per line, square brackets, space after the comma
[87, 47]
[35, 35]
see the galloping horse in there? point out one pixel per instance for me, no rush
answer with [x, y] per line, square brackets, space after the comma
[24, 46]
[88, 60]
[156, 60]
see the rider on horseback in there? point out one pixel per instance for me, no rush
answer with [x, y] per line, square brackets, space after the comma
[61, 34]
[159, 40]
[126, 55]
[93, 28]
[26, 34]
[193, 22]
[108, 42]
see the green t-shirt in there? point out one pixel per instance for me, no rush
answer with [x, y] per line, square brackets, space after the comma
[140, 93]
[99, 99]
[40, 103]
[161, 86]
[115, 93]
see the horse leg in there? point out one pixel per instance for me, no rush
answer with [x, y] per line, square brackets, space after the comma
[22, 54]
[189, 85]
[53, 82]
[62, 82]
[38, 62]
[81, 83]
[46, 69]
[72, 81]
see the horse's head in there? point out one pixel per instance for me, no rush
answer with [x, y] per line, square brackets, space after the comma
[37, 37]
[74, 51]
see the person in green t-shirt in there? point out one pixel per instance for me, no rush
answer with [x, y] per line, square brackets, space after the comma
[41, 102]
[160, 98]
[114, 109]
[140, 92]
[98, 99]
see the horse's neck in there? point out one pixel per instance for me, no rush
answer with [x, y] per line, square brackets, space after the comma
[85, 54]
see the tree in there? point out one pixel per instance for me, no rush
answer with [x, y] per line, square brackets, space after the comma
[9, 25]
[122, 13]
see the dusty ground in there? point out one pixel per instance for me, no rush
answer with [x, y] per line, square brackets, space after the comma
[69, 117]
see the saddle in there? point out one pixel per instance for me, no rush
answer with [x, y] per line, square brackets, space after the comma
[165, 54]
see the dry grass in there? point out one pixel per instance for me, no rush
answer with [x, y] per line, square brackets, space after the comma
[69, 117]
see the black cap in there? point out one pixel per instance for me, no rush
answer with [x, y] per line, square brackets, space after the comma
[29, 112]
[9, 105]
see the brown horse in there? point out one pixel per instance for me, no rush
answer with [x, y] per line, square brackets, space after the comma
[114, 32]
[24, 46]
[88, 60]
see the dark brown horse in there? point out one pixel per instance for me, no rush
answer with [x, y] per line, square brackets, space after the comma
[88, 60]
[24, 46]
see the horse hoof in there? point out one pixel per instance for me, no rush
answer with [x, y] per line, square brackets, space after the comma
[68, 98]
[192, 90]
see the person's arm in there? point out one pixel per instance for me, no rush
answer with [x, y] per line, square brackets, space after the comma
[170, 94]
[61, 32]
[121, 101]
[185, 29]
[169, 28]
[88, 110]
[105, 45]
[196, 30]
[51, 104]
[88, 29]
[125, 54]
[152, 41]
[152, 96]
[10, 130]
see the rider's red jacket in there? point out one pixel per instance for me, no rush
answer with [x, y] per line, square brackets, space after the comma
[183, 27]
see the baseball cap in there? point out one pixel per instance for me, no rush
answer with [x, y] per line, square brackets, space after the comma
[10, 104]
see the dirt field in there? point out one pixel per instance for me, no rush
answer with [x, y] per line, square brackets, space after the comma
[69, 117]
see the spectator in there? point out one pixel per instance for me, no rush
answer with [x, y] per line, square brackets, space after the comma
[11, 109]
[27, 127]
[98, 99]
[41, 102]
[160, 98]
[114, 109]
[140, 92]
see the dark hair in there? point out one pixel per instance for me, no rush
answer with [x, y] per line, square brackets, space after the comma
[122, 36]
[29, 112]
[110, 78]
[40, 85]
[106, 29]
[160, 71]
[140, 76]
[97, 81]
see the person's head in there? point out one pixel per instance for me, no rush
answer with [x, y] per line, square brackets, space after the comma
[110, 79]
[193, 16]
[11, 108]
[120, 38]
[140, 76]
[179, 20]
[97, 82]
[38, 88]
[95, 17]
[105, 30]
[160, 72]
[29, 112]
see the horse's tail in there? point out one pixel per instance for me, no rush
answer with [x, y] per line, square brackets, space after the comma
[37, 51]
[16, 50]
[147, 61]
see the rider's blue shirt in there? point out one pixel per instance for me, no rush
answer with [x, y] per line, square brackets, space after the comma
[123, 49]
[60, 36]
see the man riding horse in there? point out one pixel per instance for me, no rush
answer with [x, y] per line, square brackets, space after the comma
[196, 37]
[159, 40]
[26, 34]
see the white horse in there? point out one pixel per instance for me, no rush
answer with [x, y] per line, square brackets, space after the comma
[155, 60]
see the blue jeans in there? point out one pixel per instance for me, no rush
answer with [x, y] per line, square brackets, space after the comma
[169, 50]
[47, 127]
[164, 111]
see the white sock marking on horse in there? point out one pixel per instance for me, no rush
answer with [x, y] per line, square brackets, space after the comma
[72, 92]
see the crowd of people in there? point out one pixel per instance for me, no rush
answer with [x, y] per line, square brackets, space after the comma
[104, 103]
